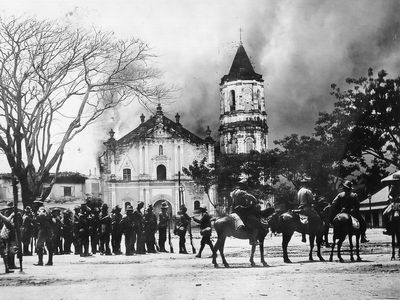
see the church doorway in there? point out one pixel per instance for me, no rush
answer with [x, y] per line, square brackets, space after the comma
[157, 207]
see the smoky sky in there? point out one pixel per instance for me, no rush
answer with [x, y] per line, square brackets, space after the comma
[300, 48]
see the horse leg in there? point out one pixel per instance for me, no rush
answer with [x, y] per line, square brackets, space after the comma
[358, 247]
[393, 246]
[398, 243]
[332, 249]
[285, 241]
[339, 244]
[319, 239]
[215, 252]
[311, 238]
[221, 252]
[253, 249]
[351, 247]
[262, 253]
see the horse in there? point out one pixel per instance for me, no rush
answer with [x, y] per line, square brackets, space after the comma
[342, 227]
[225, 226]
[289, 222]
[394, 226]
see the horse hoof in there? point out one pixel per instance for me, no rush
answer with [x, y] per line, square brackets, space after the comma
[321, 259]
[288, 261]
[341, 260]
[216, 266]
[265, 264]
[393, 258]
[359, 259]
[253, 264]
[226, 265]
[310, 259]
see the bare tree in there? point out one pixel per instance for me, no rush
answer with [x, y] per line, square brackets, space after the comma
[54, 82]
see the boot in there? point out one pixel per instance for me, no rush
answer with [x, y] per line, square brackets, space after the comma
[303, 238]
[7, 269]
[50, 261]
[364, 239]
[11, 262]
[40, 258]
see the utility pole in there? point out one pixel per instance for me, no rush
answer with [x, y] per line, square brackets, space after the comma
[179, 189]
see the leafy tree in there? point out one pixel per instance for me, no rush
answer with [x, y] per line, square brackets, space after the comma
[54, 82]
[365, 121]
[203, 175]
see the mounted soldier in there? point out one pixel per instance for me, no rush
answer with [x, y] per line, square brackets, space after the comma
[348, 202]
[394, 202]
[245, 211]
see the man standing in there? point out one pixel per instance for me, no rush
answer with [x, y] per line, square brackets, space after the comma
[150, 228]
[85, 220]
[45, 235]
[139, 227]
[27, 230]
[305, 200]
[163, 222]
[183, 223]
[105, 230]
[68, 231]
[5, 238]
[348, 202]
[127, 226]
[77, 240]
[57, 230]
[116, 233]
[205, 229]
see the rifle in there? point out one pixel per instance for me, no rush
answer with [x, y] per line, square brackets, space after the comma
[191, 237]
[17, 217]
[171, 249]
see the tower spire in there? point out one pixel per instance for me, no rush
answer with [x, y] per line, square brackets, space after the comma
[240, 35]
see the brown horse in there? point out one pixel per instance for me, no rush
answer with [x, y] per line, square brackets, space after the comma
[225, 227]
[394, 226]
[342, 227]
[289, 222]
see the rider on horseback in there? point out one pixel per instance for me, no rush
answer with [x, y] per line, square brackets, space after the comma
[306, 202]
[348, 202]
[246, 207]
[394, 197]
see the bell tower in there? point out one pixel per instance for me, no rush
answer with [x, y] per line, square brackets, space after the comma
[243, 117]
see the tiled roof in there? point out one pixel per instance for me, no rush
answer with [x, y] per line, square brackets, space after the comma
[241, 68]
[146, 129]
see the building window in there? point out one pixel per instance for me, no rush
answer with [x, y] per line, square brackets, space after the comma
[161, 172]
[232, 100]
[67, 191]
[126, 174]
[249, 145]
[196, 205]
[160, 150]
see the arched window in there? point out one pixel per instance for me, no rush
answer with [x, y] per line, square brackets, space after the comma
[126, 174]
[160, 150]
[249, 145]
[232, 101]
[161, 172]
[196, 204]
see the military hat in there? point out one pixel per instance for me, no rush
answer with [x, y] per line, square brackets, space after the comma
[203, 207]
[104, 206]
[164, 205]
[129, 208]
[117, 208]
[150, 207]
[183, 208]
[348, 184]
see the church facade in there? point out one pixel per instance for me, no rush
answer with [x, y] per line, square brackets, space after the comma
[243, 117]
[146, 165]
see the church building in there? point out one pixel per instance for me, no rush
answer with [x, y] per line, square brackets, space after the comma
[146, 165]
[243, 117]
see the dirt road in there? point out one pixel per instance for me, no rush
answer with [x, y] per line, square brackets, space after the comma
[178, 276]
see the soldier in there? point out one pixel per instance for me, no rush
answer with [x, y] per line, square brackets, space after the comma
[67, 231]
[393, 197]
[205, 229]
[85, 219]
[5, 236]
[27, 230]
[163, 222]
[150, 228]
[77, 242]
[305, 199]
[105, 230]
[57, 230]
[127, 226]
[94, 229]
[183, 223]
[45, 235]
[139, 228]
[11, 241]
[116, 233]
[348, 202]
[246, 207]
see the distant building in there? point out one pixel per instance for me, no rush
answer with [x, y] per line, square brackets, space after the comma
[372, 208]
[146, 165]
[243, 117]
